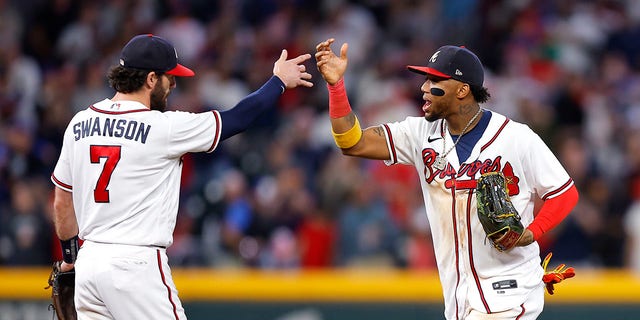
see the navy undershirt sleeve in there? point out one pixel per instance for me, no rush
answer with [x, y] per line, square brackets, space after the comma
[242, 115]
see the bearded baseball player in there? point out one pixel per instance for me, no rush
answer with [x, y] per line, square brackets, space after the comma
[118, 179]
[484, 275]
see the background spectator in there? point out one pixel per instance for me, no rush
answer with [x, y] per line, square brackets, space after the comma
[269, 198]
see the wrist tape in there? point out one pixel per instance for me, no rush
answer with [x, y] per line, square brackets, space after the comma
[338, 102]
[70, 249]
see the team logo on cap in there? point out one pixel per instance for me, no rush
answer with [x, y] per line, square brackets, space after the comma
[434, 57]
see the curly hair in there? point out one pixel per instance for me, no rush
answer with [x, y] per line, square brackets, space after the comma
[126, 80]
[481, 94]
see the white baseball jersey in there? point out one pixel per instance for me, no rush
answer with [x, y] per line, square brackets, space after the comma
[474, 275]
[123, 164]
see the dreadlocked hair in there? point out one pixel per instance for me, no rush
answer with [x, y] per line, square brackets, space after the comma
[480, 93]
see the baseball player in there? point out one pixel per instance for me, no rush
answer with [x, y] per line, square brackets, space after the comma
[118, 179]
[456, 142]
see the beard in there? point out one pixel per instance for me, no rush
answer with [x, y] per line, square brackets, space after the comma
[158, 101]
[432, 117]
[438, 110]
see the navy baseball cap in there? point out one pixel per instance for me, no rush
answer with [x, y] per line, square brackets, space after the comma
[149, 52]
[452, 62]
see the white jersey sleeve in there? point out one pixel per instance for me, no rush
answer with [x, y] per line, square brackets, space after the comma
[189, 132]
[404, 146]
[547, 176]
[62, 175]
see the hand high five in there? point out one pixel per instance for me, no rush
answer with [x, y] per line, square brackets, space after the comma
[331, 67]
[292, 72]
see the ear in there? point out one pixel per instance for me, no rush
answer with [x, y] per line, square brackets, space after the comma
[463, 91]
[152, 79]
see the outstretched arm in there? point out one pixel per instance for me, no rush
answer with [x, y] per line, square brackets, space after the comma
[287, 74]
[369, 143]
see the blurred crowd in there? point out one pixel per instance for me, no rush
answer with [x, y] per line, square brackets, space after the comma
[281, 195]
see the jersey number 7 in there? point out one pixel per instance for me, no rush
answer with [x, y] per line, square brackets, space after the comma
[112, 153]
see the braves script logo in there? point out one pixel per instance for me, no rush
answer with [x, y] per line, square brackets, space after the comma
[465, 177]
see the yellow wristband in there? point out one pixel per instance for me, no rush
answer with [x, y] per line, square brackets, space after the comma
[350, 138]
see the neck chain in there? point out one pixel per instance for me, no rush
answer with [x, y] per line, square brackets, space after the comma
[440, 159]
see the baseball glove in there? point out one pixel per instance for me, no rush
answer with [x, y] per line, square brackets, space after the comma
[498, 216]
[62, 292]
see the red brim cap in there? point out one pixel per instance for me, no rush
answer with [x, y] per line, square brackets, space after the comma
[429, 71]
[181, 71]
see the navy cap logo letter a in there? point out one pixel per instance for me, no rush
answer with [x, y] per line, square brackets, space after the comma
[434, 57]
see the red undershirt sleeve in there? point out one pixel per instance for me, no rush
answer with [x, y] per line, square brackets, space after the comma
[553, 211]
